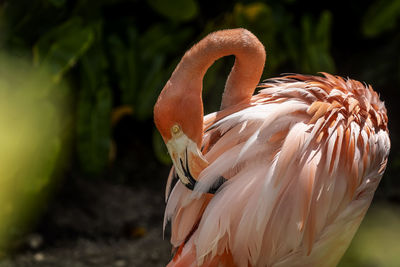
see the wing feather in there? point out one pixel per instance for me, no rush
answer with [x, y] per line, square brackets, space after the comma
[299, 179]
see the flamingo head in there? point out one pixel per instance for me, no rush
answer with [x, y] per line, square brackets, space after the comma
[178, 115]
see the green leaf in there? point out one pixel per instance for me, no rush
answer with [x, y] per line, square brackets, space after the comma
[292, 46]
[175, 10]
[125, 61]
[316, 56]
[141, 75]
[150, 89]
[155, 45]
[61, 47]
[163, 39]
[323, 30]
[93, 127]
[381, 16]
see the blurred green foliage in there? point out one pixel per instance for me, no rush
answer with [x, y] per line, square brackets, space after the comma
[33, 119]
[380, 17]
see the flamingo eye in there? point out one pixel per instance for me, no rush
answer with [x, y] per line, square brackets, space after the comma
[176, 129]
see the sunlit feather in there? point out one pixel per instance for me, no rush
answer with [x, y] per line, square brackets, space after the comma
[302, 160]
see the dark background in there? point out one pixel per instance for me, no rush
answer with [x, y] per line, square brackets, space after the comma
[98, 195]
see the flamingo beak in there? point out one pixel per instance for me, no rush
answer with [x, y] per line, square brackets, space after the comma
[187, 158]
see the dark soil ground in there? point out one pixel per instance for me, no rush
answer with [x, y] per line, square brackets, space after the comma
[98, 224]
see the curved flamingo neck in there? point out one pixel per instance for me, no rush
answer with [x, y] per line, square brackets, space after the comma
[245, 75]
[180, 101]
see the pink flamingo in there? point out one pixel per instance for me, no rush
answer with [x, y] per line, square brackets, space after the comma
[280, 178]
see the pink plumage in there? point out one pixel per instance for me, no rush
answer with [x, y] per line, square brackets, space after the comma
[300, 162]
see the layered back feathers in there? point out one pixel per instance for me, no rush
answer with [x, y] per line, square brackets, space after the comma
[302, 160]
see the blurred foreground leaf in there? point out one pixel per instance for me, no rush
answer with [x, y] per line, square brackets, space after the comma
[30, 141]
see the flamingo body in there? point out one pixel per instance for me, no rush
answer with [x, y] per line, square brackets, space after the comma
[300, 162]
